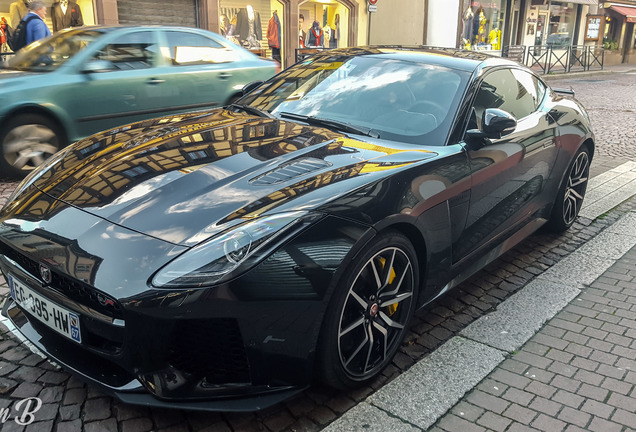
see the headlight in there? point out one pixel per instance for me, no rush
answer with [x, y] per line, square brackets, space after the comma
[36, 174]
[219, 258]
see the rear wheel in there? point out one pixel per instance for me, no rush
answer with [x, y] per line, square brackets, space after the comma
[369, 313]
[570, 196]
[27, 141]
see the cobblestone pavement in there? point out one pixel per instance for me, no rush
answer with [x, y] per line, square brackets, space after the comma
[578, 373]
[71, 405]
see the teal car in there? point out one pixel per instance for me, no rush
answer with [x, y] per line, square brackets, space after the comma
[85, 80]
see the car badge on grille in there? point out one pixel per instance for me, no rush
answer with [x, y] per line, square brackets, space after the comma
[105, 301]
[45, 273]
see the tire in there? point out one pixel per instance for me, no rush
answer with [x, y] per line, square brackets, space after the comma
[369, 312]
[28, 140]
[571, 193]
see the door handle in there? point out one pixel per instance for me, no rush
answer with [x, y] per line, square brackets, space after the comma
[225, 75]
[154, 81]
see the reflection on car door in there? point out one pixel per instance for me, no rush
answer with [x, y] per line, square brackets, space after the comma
[508, 174]
[204, 71]
[128, 90]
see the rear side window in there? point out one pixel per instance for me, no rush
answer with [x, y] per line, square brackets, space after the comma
[511, 90]
[185, 49]
[131, 51]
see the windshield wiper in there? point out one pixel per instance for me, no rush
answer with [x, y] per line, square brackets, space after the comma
[334, 124]
[251, 110]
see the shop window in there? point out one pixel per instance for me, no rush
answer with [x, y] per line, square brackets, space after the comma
[193, 49]
[130, 51]
[323, 25]
[256, 26]
[482, 24]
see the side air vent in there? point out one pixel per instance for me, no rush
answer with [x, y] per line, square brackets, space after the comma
[289, 170]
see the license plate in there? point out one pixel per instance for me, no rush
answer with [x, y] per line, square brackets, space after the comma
[44, 310]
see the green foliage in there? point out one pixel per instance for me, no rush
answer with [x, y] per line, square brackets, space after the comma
[610, 44]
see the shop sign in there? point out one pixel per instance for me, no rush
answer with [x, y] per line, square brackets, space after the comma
[593, 27]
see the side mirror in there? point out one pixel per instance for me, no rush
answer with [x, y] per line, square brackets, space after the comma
[247, 88]
[95, 66]
[497, 123]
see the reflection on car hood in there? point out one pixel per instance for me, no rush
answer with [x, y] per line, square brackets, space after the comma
[184, 178]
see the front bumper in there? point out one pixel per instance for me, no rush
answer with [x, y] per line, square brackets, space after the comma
[240, 346]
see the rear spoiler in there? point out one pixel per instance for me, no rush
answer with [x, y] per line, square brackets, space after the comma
[564, 91]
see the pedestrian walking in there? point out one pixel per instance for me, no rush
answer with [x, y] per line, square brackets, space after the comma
[36, 29]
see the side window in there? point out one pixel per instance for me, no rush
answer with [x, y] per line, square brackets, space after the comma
[511, 90]
[131, 51]
[187, 49]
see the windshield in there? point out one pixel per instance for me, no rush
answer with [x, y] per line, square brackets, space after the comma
[53, 52]
[397, 99]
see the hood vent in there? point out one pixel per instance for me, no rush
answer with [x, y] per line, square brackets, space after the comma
[289, 170]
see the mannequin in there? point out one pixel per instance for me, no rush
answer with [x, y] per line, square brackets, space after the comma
[467, 20]
[273, 36]
[335, 33]
[316, 36]
[248, 27]
[17, 10]
[302, 35]
[482, 27]
[65, 14]
[494, 38]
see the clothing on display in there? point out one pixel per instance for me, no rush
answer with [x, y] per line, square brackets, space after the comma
[494, 38]
[335, 33]
[65, 14]
[273, 36]
[17, 11]
[467, 20]
[316, 36]
[248, 27]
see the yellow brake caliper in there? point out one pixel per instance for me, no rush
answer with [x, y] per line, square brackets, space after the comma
[390, 309]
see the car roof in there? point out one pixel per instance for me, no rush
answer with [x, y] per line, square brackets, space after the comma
[447, 57]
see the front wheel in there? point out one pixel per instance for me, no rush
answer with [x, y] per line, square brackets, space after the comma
[369, 312]
[28, 140]
[570, 196]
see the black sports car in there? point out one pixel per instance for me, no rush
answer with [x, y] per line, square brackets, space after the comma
[222, 260]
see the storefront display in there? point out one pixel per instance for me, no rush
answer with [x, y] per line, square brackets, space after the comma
[325, 23]
[482, 24]
[256, 25]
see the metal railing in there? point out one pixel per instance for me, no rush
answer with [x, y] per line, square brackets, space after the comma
[548, 59]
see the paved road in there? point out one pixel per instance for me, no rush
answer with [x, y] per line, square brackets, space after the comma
[70, 405]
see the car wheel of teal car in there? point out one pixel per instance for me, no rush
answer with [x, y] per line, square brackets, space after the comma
[27, 141]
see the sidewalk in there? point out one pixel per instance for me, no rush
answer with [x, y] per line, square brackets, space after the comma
[558, 355]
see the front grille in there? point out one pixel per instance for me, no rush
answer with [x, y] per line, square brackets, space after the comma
[211, 349]
[71, 288]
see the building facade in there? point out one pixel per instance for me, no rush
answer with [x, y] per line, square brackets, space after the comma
[278, 28]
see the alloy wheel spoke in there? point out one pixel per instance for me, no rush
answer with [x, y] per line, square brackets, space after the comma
[397, 299]
[359, 299]
[387, 270]
[352, 326]
[388, 321]
[376, 274]
[399, 284]
[370, 350]
[385, 337]
[359, 348]
[578, 182]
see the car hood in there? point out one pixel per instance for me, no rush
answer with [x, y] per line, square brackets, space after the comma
[186, 177]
